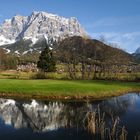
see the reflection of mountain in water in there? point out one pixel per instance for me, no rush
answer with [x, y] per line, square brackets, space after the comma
[40, 116]
[44, 116]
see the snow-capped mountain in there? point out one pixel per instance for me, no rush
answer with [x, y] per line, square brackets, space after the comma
[136, 55]
[137, 51]
[39, 25]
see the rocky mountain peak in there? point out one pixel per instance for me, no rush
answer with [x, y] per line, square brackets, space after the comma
[39, 25]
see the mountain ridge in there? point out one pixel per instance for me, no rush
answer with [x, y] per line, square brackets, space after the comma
[39, 25]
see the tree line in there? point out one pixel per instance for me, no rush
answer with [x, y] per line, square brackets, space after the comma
[83, 58]
[86, 58]
[7, 61]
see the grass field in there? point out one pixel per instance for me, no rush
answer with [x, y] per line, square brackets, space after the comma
[64, 89]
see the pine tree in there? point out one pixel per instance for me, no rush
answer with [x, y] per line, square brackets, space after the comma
[46, 61]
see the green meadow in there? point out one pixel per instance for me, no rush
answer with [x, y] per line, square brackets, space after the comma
[65, 89]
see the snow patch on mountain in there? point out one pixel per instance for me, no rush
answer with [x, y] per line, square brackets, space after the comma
[17, 52]
[37, 26]
[7, 50]
[4, 40]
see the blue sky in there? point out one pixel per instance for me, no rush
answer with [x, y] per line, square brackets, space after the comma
[118, 21]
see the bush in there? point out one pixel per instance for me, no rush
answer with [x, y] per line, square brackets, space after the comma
[39, 75]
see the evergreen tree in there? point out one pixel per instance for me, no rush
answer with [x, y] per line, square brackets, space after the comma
[46, 61]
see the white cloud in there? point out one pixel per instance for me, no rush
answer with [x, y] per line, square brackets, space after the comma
[132, 35]
[127, 41]
[123, 31]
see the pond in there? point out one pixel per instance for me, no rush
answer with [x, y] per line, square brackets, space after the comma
[117, 118]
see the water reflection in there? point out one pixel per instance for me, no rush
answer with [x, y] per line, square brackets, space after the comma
[52, 116]
[41, 116]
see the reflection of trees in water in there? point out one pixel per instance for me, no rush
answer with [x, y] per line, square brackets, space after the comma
[95, 117]
[138, 94]
[117, 106]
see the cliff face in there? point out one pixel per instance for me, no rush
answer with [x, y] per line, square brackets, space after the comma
[39, 25]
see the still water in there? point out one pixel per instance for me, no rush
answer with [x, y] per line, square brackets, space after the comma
[47, 120]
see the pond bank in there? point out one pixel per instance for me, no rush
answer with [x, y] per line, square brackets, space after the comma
[65, 89]
[62, 98]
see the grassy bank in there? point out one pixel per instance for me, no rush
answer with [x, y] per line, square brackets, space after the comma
[64, 89]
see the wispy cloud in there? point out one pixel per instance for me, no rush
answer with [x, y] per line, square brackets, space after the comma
[132, 35]
[127, 41]
[123, 31]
